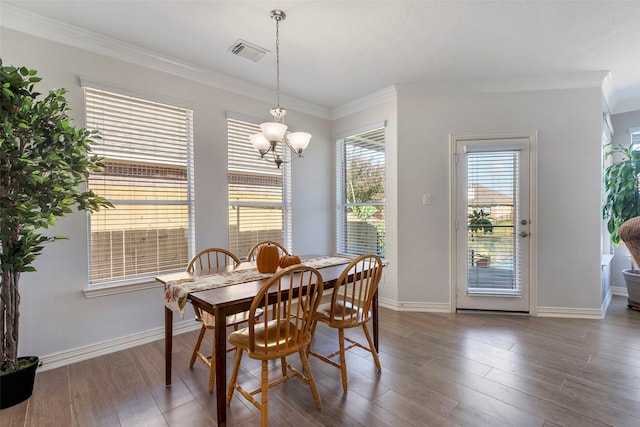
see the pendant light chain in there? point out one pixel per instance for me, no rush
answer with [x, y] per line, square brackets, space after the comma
[278, 61]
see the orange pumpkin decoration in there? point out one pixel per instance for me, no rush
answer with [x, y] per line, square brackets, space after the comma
[288, 260]
[268, 259]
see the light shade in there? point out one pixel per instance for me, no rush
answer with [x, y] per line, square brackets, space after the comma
[273, 131]
[259, 142]
[299, 140]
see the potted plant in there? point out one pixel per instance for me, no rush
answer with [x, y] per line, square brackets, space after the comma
[479, 221]
[622, 205]
[482, 257]
[43, 160]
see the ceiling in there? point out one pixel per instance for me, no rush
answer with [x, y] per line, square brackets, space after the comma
[334, 52]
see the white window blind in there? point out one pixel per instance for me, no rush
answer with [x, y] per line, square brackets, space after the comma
[259, 193]
[361, 193]
[635, 139]
[148, 176]
[492, 196]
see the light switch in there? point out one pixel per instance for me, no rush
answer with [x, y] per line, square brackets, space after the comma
[426, 199]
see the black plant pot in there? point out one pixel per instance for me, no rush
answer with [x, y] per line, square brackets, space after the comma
[17, 386]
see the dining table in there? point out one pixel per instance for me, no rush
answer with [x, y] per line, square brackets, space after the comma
[224, 298]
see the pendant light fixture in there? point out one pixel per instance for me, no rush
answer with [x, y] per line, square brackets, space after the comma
[276, 132]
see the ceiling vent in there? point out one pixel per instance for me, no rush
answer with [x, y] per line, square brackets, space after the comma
[247, 50]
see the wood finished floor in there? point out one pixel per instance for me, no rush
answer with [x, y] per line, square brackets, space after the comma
[438, 370]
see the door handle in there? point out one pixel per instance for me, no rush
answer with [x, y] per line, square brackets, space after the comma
[524, 234]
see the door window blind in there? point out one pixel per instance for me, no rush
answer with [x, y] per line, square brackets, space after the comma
[259, 193]
[361, 193]
[148, 176]
[492, 196]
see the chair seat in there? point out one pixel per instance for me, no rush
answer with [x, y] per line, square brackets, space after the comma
[209, 320]
[345, 314]
[274, 338]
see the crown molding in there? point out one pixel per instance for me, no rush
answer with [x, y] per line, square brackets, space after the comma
[591, 79]
[379, 97]
[627, 106]
[607, 92]
[40, 26]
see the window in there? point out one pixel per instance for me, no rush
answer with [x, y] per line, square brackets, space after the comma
[259, 193]
[361, 193]
[148, 176]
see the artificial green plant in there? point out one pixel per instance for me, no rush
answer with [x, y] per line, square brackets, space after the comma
[44, 162]
[621, 188]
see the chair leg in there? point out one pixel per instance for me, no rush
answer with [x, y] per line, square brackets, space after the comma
[234, 375]
[264, 395]
[203, 329]
[212, 366]
[372, 348]
[283, 366]
[314, 323]
[312, 382]
[343, 359]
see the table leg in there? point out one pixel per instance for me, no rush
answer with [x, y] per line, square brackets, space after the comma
[220, 336]
[375, 321]
[168, 344]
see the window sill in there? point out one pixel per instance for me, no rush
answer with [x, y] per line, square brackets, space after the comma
[120, 288]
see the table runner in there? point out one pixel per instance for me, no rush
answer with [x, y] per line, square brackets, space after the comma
[176, 291]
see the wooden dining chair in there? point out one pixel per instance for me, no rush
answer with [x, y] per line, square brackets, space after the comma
[253, 253]
[350, 307]
[212, 259]
[276, 335]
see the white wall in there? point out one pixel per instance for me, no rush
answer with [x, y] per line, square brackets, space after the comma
[56, 316]
[569, 128]
[568, 122]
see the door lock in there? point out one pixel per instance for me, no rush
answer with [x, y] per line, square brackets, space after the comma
[524, 234]
[523, 222]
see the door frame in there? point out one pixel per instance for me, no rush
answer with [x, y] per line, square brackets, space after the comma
[533, 205]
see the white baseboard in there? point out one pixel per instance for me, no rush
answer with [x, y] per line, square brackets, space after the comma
[584, 313]
[578, 313]
[619, 290]
[434, 307]
[79, 354]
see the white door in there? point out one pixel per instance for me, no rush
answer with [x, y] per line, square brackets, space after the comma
[492, 242]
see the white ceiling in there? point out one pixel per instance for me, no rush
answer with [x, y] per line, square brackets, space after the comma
[333, 52]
